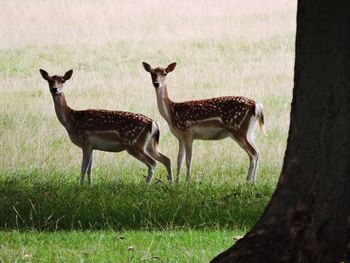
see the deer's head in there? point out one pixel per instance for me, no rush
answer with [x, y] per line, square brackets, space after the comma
[56, 82]
[158, 74]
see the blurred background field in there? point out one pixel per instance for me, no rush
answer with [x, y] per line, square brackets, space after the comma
[221, 48]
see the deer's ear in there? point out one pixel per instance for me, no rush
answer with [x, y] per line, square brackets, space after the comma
[68, 74]
[44, 74]
[147, 66]
[171, 67]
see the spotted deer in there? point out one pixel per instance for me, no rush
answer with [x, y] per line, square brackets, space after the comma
[208, 119]
[105, 130]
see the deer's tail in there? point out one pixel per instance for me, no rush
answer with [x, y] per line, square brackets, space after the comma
[260, 115]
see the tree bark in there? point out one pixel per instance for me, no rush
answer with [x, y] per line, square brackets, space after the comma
[308, 218]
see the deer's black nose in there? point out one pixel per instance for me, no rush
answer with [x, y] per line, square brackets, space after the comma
[156, 84]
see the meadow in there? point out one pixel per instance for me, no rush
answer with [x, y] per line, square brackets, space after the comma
[221, 48]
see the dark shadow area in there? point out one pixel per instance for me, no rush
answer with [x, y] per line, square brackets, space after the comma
[60, 205]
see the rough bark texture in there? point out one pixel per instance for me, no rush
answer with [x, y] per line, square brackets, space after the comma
[308, 217]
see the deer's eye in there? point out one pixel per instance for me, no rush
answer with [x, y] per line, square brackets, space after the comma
[165, 74]
[63, 81]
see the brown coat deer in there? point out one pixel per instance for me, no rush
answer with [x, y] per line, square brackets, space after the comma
[208, 119]
[104, 130]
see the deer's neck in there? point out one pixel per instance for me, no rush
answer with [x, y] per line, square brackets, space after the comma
[164, 103]
[62, 109]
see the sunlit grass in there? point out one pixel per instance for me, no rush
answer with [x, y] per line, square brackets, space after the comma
[102, 81]
[106, 246]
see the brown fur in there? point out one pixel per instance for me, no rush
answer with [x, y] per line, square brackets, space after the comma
[232, 111]
[207, 119]
[106, 130]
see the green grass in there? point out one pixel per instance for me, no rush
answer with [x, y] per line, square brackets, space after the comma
[28, 202]
[221, 48]
[109, 246]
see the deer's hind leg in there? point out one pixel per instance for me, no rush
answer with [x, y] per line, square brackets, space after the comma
[165, 160]
[142, 156]
[248, 146]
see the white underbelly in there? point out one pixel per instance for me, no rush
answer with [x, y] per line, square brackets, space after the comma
[208, 133]
[102, 144]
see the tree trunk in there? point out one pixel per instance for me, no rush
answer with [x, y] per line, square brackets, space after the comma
[308, 218]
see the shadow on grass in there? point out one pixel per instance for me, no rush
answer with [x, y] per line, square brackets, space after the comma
[61, 205]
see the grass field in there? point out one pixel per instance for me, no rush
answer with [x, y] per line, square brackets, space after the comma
[221, 48]
[107, 246]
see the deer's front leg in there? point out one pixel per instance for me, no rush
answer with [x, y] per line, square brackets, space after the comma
[188, 149]
[87, 152]
[180, 159]
[90, 166]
